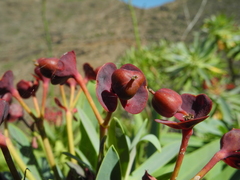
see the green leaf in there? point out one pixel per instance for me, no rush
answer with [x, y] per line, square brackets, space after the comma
[227, 173]
[89, 142]
[50, 131]
[78, 160]
[22, 143]
[157, 160]
[225, 110]
[137, 137]
[88, 126]
[117, 138]
[152, 139]
[110, 167]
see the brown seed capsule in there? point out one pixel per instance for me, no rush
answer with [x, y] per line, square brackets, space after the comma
[47, 66]
[125, 83]
[166, 102]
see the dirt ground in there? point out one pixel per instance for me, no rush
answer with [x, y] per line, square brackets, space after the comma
[98, 31]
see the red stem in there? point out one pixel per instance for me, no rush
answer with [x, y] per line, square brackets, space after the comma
[82, 84]
[216, 158]
[186, 134]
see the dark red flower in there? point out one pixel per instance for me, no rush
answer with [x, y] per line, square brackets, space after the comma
[230, 146]
[127, 83]
[90, 73]
[58, 70]
[6, 83]
[194, 110]
[15, 112]
[66, 68]
[27, 89]
[4, 109]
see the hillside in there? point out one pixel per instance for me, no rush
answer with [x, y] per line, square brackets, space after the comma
[98, 31]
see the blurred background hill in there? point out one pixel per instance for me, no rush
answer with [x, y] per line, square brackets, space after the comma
[98, 31]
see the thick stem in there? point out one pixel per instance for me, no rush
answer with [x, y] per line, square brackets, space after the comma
[106, 124]
[186, 134]
[47, 149]
[18, 160]
[77, 97]
[72, 92]
[103, 133]
[39, 123]
[70, 134]
[80, 81]
[63, 95]
[8, 158]
[215, 159]
[35, 102]
[16, 95]
[44, 97]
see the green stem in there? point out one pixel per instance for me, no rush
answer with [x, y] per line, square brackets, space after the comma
[44, 97]
[15, 154]
[186, 134]
[72, 92]
[77, 97]
[8, 158]
[70, 134]
[104, 128]
[39, 123]
[35, 102]
[47, 149]
[63, 94]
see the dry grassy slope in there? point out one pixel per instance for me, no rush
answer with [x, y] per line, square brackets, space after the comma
[98, 31]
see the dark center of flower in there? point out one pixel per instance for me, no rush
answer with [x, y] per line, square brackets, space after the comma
[134, 77]
[188, 117]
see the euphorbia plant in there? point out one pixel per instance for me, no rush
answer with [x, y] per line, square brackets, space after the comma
[117, 160]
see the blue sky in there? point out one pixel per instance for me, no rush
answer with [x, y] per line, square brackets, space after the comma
[147, 3]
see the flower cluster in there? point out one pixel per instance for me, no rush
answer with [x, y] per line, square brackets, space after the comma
[127, 85]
